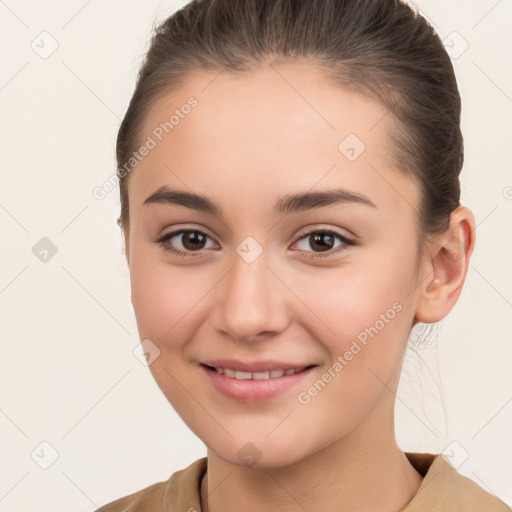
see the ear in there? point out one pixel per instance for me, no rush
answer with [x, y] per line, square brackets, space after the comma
[446, 270]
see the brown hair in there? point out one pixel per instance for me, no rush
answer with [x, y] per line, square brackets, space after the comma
[382, 48]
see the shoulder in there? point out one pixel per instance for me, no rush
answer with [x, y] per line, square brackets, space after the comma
[445, 489]
[462, 493]
[179, 491]
[148, 498]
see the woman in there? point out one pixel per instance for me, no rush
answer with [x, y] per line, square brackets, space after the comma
[290, 204]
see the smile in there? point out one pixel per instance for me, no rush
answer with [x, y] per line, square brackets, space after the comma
[258, 385]
[269, 374]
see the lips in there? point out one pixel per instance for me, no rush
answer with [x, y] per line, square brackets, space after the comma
[255, 366]
[255, 381]
[262, 375]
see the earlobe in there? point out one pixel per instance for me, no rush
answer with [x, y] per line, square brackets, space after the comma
[448, 268]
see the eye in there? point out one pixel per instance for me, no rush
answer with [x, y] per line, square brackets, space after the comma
[191, 240]
[324, 241]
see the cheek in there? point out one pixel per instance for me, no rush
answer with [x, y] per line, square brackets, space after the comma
[368, 324]
[363, 316]
[163, 298]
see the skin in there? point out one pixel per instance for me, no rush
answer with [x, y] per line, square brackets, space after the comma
[251, 139]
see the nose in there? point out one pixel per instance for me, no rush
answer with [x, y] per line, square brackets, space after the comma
[252, 302]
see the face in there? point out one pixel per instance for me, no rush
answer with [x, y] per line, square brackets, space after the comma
[325, 287]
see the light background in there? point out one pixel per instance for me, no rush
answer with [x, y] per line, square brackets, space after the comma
[68, 373]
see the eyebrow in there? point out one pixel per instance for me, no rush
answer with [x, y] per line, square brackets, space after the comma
[290, 203]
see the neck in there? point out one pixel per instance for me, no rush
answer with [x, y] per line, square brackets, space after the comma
[356, 473]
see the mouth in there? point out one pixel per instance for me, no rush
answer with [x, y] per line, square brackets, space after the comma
[262, 384]
[259, 375]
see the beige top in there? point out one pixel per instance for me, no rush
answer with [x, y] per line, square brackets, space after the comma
[442, 489]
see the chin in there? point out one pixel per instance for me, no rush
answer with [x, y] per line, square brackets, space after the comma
[260, 451]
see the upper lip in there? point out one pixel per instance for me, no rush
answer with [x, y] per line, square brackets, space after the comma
[254, 366]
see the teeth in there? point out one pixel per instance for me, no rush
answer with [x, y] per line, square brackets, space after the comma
[261, 375]
[243, 375]
[229, 372]
[271, 374]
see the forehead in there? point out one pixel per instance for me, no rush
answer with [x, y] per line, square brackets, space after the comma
[266, 130]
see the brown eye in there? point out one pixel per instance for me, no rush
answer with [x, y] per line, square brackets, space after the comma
[323, 241]
[192, 241]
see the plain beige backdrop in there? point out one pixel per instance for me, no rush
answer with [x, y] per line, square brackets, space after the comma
[81, 420]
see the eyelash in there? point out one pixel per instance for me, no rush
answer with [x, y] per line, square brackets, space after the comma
[194, 254]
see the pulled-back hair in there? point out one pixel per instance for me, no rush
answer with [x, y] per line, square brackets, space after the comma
[381, 48]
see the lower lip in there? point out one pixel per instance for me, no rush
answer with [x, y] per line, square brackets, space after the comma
[253, 390]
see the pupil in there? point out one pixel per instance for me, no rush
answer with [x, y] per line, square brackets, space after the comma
[194, 237]
[318, 237]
